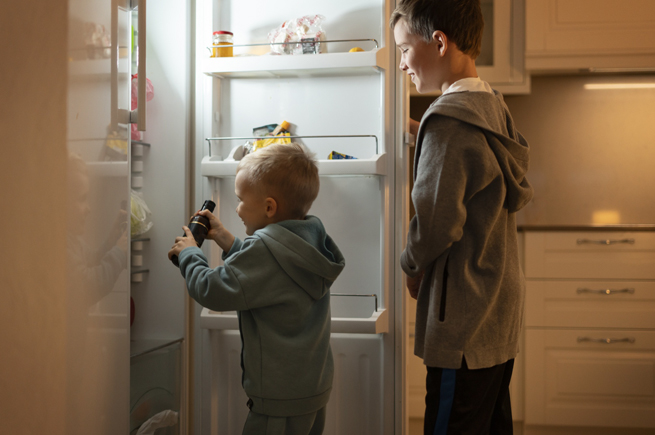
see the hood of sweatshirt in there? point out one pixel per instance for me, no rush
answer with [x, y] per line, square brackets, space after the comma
[490, 113]
[306, 253]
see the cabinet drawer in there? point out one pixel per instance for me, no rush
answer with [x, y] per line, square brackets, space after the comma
[629, 255]
[590, 304]
[572, 380]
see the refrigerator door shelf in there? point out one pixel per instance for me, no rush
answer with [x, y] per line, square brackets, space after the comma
[377, 323]
[376, 165]
[277, 66]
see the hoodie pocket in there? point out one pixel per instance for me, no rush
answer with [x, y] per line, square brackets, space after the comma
[444, 292]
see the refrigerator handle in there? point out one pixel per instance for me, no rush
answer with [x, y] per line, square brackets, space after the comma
[138, 116]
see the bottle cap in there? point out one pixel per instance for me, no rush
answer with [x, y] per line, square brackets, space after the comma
[208, 205]
[222, 32]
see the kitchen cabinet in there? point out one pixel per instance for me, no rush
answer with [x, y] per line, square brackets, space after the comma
[590, 333]
[501, 62]
[590, 34]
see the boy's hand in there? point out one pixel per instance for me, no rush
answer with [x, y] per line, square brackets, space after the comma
[413, 284]
[217, 232]
[182, 243]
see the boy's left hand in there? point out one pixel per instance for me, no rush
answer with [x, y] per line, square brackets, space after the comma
[182, 243]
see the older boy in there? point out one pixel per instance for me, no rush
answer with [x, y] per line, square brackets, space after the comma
[461, 258]
[278, 280]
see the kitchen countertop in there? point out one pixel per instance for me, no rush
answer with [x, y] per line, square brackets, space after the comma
[589, 227]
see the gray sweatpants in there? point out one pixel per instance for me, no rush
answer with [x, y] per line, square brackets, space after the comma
[308, 424]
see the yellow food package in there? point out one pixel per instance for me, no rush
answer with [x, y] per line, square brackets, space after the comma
[282, 138]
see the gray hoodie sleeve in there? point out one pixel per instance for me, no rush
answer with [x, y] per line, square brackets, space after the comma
[217, 289]
[454, 163]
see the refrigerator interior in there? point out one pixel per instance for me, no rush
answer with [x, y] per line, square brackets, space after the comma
[333, 94]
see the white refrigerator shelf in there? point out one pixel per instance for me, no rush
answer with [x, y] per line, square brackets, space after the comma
[377, 323]
[376, 165]
[272, 66]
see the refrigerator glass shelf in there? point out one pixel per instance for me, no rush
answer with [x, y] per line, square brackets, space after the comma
[296, 66]
[376, 165]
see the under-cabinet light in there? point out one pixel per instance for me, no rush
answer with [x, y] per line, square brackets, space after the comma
[606, 86]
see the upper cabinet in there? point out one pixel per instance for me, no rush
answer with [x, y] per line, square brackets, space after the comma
[590, 34]
[502, 60]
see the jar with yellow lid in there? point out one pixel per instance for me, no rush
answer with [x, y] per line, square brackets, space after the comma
[222, 42]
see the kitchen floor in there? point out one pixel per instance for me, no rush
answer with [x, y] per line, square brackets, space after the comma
[416, 428]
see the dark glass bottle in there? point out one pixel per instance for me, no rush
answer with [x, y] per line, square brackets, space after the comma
[199, 226]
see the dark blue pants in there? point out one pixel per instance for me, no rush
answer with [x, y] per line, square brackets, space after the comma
[468, 402]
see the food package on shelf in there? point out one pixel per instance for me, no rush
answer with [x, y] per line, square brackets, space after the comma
[140, 215]
[339, 156]
[299, 36]
[282, 138]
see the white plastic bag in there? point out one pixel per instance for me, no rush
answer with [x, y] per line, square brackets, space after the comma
[140, 220]
[301, 36]
[162, 419]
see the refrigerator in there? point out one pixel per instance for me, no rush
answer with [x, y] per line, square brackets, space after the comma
[144, 346]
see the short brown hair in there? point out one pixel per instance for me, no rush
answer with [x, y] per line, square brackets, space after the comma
[460, 20]
[288, 171]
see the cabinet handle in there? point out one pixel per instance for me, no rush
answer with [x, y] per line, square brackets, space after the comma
[608, 291]
[605, 241]
[606, 340]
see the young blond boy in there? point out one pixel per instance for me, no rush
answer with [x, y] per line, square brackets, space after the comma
[461, 258]
[278, 281]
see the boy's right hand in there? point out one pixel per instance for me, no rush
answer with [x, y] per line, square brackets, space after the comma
[413, 284]
[217, 232]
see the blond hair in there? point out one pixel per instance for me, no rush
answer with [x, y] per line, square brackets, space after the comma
[288, 172]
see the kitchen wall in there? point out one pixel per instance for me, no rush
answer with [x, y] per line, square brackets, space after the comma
[592, 141]
[592, 150]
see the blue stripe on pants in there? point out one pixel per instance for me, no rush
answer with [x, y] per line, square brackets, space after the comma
[446, 396]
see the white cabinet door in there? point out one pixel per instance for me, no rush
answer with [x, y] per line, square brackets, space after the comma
[574, 34]
[501, 62]
[590, 378]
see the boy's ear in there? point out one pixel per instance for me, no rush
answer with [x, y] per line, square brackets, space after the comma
[271, 207]
[441, 41]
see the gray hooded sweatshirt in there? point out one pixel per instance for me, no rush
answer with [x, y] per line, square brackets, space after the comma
[469, 180]
[278, 280]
